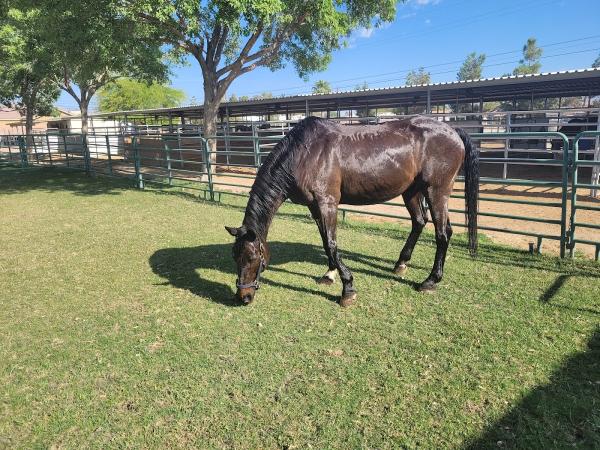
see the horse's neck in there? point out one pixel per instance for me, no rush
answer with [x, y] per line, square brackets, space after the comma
[260, 212]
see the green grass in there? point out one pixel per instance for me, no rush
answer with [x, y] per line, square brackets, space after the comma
[117, 329]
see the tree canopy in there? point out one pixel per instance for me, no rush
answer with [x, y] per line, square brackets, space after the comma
[321, 87]
[596, 63]
[530, 63]
[417, 77]
[26, 70]
[127, 94]
[231, 38]
[472, 67]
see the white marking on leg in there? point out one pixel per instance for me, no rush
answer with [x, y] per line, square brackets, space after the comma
[330, 274]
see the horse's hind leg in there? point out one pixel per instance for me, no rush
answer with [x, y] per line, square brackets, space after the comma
[418, 215]
[437, 198]
[326, 216]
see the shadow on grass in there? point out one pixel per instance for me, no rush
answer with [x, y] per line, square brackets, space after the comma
[564, 413]
[15, 180]
[185, 268]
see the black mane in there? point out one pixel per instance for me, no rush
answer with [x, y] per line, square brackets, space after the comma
[275, 177]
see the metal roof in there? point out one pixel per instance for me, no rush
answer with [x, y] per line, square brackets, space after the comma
[563, 83]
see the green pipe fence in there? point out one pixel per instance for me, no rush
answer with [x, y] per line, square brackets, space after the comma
[226, 164]
[576, 163]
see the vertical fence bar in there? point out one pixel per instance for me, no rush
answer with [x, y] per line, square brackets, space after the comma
[23, 151]
[66, 150]
[565, 188]
[574, 181]
[506, 147]
[168, 161]
[49, 152]
[110, 169]
[9, 138]
[37, 158]
[207, 165]
[136, 164]
[256, 147]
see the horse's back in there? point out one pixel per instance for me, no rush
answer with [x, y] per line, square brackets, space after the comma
[365, 164]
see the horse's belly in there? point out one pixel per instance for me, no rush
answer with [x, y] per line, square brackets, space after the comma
[369, 193]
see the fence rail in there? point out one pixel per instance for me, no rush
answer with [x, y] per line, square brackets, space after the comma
[532, 193]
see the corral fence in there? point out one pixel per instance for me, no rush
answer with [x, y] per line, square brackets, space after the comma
[534, 184]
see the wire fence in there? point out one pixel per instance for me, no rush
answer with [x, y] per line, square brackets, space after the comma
[533, 186]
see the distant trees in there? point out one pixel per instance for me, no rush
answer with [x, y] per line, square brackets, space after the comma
[472, 67]
[596, 63]
[362, 87]
[26, 67]
[126, 94]
[530, 63]
[417, 77]
[321, 87]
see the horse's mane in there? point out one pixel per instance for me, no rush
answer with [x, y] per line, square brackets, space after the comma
[276, 175]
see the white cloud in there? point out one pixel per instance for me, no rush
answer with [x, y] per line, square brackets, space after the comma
[427, 21]
[427, 2]
[408, 15]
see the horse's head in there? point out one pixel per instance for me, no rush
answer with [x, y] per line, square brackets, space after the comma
[251, 256]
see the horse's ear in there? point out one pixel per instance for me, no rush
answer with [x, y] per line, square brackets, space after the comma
[250, 235]
[232, 231]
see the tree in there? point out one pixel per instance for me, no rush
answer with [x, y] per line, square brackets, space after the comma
[321, 87]
[26, 72]
[596, 63]
[229, 39]
[362, 87]
[530, 63]
[471, 68]
[415, 78]
[126, 94]
[96, 45]
[233, 98]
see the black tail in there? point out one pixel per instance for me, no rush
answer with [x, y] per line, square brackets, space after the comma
[471, 172]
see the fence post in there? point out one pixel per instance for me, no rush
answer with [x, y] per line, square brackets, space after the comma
[506, 147]
[37, 158]
[136, 164]
[49, 153]
[565, 187]
[207, 165]
[66, 150]
[256, 147]
[168, 160]
[87, 161]
[9, 138]
[110, 170]
[23, 151]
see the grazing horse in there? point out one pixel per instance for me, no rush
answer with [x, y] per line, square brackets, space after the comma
[321, 164]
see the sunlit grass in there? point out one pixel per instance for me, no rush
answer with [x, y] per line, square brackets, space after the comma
[118, 329]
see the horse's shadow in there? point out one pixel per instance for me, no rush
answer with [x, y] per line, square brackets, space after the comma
[185, 268]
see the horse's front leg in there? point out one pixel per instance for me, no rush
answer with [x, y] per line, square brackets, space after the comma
[326, 211]
[329, 276]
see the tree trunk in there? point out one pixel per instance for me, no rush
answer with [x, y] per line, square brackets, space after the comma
[83, 108]
[29, 128]
[212, 101]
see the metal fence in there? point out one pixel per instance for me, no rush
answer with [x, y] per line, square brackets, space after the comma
[531, 193]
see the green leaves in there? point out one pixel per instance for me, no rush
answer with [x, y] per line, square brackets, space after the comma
[472, 68]
[127, 94]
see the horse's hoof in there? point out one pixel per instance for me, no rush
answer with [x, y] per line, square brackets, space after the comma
[325, 280]
[347, 299]
[427, 286]
[400, 269]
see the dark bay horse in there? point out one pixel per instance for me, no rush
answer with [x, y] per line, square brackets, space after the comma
[321, 164]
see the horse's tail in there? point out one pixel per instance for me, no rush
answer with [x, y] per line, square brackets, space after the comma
[471, 172]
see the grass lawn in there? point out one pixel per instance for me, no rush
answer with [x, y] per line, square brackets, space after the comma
[118, 329]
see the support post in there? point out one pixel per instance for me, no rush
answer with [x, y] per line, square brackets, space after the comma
[168, 161]
[208, 166]
[23, 151]
[506, 147]
[110, 169]
[66, 150]
[48, 144]
[137, 165]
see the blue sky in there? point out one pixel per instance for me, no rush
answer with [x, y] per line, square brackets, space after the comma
[436, 34]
